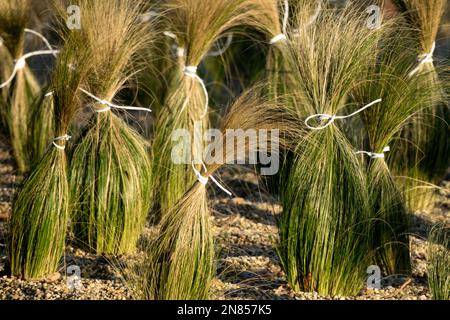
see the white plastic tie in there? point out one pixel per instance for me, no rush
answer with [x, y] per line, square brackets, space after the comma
[108, 105]
[204, 180]
[374, 155]
[424, 59]
[221, 51]
[282, 36]
[65, 137]
[191, 71]
[278, 38]
[41, 36]
[332, 118]
[147, 16]
[21, 63]
[180, 52]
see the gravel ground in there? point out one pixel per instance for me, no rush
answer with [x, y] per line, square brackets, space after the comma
[246, 233]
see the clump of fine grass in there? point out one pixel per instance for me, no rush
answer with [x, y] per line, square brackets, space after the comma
[383, 122]
[388, 79]
[197, 25]
[325, 224]
[438, 262]
[20, 93]
[110, 173]
[40, 212]
[180, 262]
[110, 170]
[424, 156]
[37, 227]
[272, 18]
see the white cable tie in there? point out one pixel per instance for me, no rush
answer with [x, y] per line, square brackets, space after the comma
[65, 137]
[110, 105]
[180, 51]
[332, 118]
[221, 51]
[286, 16]
[147, 16]
[191, 71]
[374, 155]
[282, 36]
[170, 35]
[41, 36]
[423, 59]
[278, 38]
[204, 180]
[21, 63]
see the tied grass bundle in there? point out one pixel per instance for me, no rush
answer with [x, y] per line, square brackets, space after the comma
[19, 95]
[438, 262]
[40, 212]
[425, 156]
[273, 19]
[390, 240]
[110, 171]
[180, 262]
[197, 24]
[324, 227]
[401, 101]
[325, 224]
[37, 228]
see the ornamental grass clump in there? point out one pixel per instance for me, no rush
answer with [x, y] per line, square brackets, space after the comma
[273, 19]
[180, 262]
[401, 102]
[195, 26]
[18, 86]
[424, 157]
[40, 212]
[325, 223]
[438, 262]
[110, 170]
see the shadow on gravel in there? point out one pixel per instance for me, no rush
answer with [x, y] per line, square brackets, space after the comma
[246, 210]
[252, 250]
